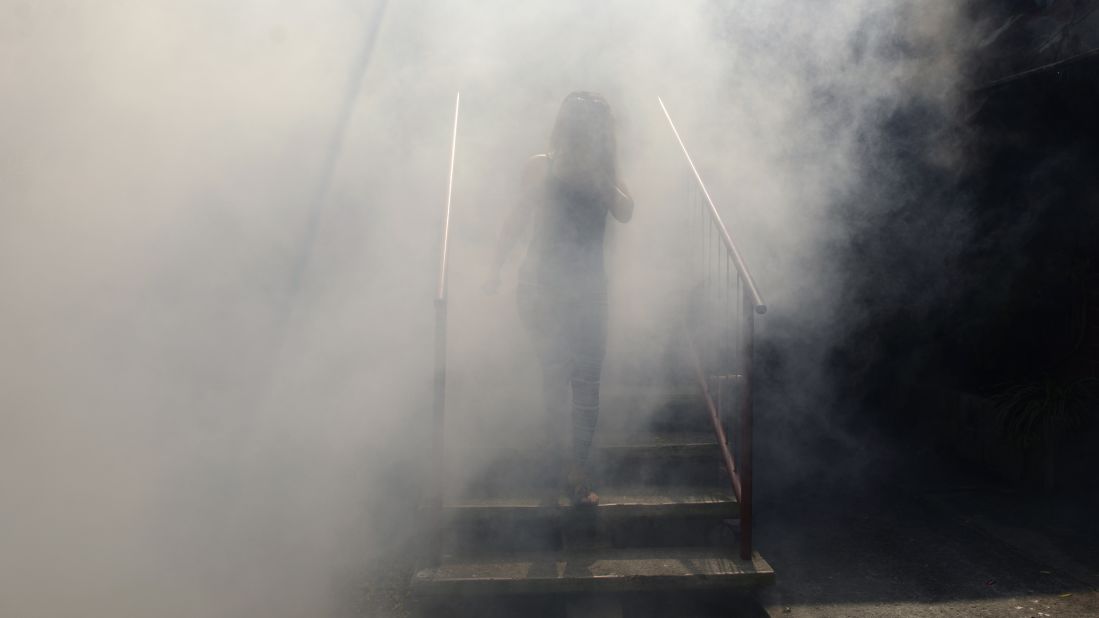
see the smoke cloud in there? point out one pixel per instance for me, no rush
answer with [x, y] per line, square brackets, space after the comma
[219, 240]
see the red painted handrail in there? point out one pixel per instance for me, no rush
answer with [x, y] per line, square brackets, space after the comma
[741, 479]
[715, 418]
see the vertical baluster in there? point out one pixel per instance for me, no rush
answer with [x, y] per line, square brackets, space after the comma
[701, 272]
[727, 337]
[711, 300]
[745, 439]
[701, 241]
[697, 246]
[726, 312]
[737, 334]
[739, 325]
[709, 251]
[699, 275]
[693, 223]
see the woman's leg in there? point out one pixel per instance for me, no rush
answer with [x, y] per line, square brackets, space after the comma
[555, 384]
[542, 317]
[588, 344]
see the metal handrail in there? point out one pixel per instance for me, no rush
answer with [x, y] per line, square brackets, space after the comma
[439, 391]
[740, 478]
[440, 293]
[715, 419]
[742, 268]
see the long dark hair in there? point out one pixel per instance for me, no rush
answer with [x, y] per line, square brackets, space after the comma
[583, 148]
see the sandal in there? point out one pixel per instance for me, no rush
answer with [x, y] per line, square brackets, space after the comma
[580, 490]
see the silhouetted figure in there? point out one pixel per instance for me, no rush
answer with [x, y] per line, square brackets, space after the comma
[562, 291]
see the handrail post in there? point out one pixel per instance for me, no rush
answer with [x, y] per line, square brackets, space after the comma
[746, 434]
[438, 419]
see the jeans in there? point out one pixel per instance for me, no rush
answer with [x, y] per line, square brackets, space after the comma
[569, 331]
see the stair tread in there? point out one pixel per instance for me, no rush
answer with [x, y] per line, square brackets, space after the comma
[603, 441]
[593, 569]
[609, 497]
[659, 442]
[677, 501]
[654, 438]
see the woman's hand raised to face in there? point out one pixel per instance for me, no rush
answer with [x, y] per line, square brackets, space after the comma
[621, 206]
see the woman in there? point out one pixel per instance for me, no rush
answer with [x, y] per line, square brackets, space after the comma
[562, 291]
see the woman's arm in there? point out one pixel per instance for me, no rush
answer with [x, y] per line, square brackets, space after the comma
[622, 205]
[534, 175]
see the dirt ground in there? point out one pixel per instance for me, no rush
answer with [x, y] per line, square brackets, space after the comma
[951, 551]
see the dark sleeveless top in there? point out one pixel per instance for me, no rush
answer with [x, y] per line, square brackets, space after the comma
[566, 250]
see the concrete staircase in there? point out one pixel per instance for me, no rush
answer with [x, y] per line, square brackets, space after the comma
[665, 521]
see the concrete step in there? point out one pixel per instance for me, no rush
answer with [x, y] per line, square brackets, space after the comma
[656, 457]
[600, 570]
[654, 444]
[608, 443]
[652, 457]
[678, 407]
[683, 408]
[615, 503]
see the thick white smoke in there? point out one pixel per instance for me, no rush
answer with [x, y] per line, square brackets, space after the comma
[188, 428]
